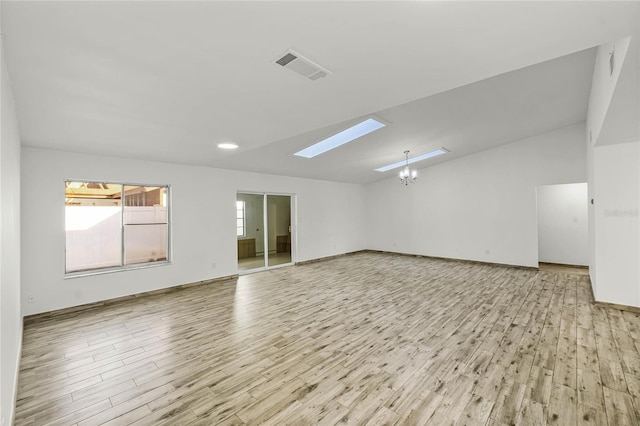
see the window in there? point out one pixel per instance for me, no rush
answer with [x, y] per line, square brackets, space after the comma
[113, 225]
[240, 219]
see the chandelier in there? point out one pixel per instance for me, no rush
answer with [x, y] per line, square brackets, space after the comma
[407, 175]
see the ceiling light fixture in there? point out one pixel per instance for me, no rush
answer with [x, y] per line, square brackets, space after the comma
[354, 132]
[227, 145]
[413, 160]
[407, 175]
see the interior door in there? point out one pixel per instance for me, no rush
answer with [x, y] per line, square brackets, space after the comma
[279, 229]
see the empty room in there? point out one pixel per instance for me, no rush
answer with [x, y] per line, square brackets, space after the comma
[320, 213]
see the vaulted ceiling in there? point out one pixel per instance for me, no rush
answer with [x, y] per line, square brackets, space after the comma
[167, 81]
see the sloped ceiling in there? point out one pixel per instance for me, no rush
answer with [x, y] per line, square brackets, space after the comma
[167, 81]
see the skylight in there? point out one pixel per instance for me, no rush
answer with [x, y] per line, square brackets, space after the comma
[413, 160]
[354, 132]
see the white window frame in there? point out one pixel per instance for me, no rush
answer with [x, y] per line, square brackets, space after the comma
[122, 266]
[244, 218]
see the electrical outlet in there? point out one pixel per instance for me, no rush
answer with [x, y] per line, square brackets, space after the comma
[213, 265]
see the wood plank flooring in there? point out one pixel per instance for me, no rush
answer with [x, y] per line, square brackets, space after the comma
[369, 338]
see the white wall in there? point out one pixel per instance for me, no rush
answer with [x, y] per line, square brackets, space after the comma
[614, 174]
[479, 207]
[614, 104]
[10, 315]
[604, 83]
[203, 223]
[562, 224]
[616, 210]
[591, 185]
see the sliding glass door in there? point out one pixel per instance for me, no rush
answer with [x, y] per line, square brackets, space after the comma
[250, 231]
[279, 229]
[263, 223]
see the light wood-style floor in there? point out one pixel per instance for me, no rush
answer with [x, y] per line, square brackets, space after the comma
[275, 259]
[368, 338]
[565, 269]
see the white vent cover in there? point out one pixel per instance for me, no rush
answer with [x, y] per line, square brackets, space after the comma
[301, 65]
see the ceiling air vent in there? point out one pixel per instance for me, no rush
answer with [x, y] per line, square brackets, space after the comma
[301, 65]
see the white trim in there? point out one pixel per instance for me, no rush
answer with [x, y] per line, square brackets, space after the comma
[102, 271]
[12, 412]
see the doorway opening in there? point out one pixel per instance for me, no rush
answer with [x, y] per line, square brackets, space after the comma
[563, 227]
[264, 231]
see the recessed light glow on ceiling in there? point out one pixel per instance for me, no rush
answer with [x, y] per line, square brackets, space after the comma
[354, 132]
[413, 160]
[227, 145]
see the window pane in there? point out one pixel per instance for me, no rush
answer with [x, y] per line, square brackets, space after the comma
[145, 243]
[240, 218]
[146, 229]
[93, 225]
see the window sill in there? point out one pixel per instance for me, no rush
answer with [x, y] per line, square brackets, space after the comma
[103, 271]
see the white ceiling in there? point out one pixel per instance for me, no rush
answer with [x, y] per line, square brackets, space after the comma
[167, 81]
